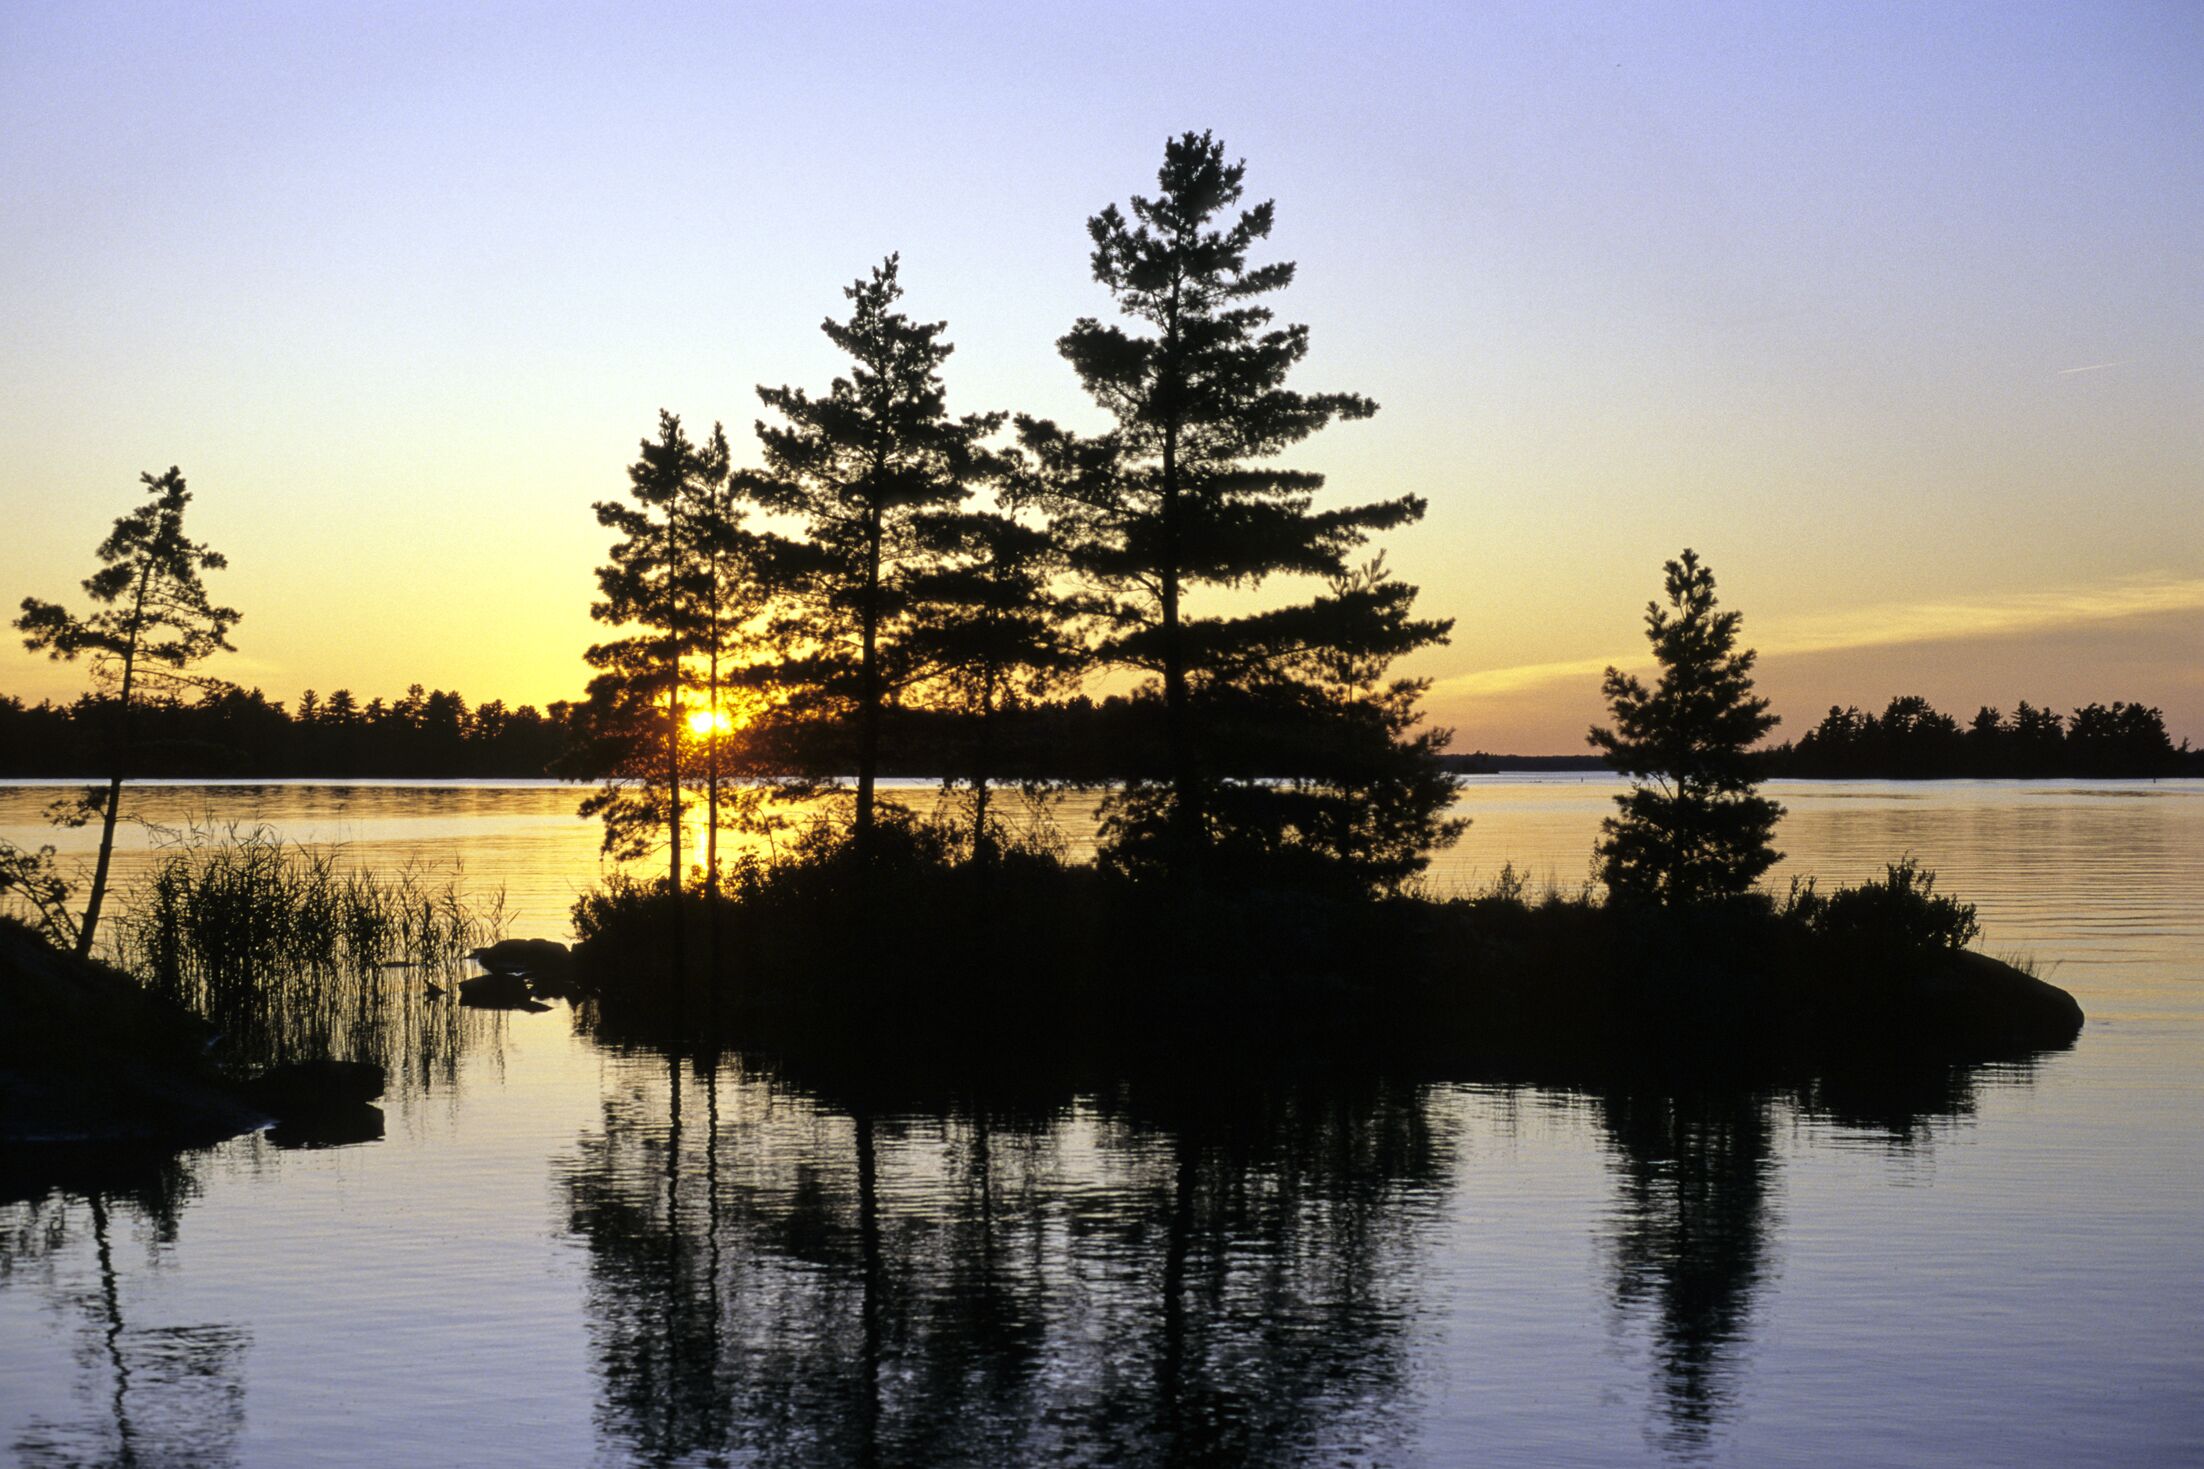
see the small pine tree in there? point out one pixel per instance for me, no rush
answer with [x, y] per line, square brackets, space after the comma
[1693, 828]
[155, 624]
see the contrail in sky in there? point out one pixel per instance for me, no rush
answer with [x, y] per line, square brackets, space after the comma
[2095, 367]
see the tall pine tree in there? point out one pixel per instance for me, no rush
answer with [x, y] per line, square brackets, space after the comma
[1184, 495]
[1693, 828]
[740, 577]
[858, 467]
[652, 587]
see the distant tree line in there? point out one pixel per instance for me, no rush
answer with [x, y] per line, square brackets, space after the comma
[436, 734]
[432, 734]
[1911, 739]
[230, 731]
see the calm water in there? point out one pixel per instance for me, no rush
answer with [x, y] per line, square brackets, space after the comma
[562, 1254]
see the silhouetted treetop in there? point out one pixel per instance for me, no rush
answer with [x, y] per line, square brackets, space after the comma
[859, 466]
[1180, 495]
[1692, 828]
[155, 623]
[651, 591]
[155, 618]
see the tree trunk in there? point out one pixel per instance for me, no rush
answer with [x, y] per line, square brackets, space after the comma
[98, 895]
[711, 775]
[673, 714]
[678, 958]
[99, 869]
[673, 781]
[1178, 719]
[1178, 732]
[711, 840]
[868, 685]
[983, 842]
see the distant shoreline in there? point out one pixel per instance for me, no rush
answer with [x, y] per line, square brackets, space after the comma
[1529, 765]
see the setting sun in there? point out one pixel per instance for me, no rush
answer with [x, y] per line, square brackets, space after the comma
[707, 721]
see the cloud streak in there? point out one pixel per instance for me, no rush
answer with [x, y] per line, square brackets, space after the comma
[1890, 625]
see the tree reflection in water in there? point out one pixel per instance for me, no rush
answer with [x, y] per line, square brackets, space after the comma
[170, 1395]
[787, 1278]
[1689, 1240]
[1692, 1234]
[1095, 1282]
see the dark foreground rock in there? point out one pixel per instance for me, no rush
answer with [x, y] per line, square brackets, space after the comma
[330, 1127]
[502, 991]
[1989, 1007]
[307, 1087]
[541, 958]
[58, 1007]
[87, 1056]
[90, 1058]
[120, 1101]
[521, 974]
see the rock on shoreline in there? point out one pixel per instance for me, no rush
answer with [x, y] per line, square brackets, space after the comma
[90, 1057]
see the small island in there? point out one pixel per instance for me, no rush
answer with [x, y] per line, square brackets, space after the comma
[911, 955]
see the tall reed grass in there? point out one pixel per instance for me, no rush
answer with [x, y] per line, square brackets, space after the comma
[289, 950]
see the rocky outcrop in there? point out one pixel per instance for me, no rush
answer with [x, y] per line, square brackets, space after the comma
[88, 1056]
[522, 974]
[1981, 1006]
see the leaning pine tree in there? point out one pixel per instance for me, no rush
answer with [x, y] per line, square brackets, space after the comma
[153, 624]
[1287, 747]
[1693, 829]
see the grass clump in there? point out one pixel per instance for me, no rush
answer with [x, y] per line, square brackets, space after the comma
[284, 948]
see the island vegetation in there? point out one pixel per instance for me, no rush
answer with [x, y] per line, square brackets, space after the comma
[1255, 887]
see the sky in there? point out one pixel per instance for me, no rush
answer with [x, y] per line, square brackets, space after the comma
[1895, 313]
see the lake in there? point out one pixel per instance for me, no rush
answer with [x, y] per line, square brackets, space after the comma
[564, 1253]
